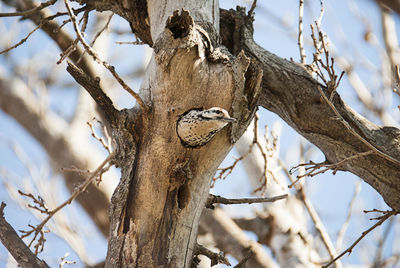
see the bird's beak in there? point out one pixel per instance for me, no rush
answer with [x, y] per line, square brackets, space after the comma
[229, 119]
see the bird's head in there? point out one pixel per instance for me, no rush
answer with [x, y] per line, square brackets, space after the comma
[217, 113]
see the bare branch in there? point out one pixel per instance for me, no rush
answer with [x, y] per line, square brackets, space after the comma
[29, 12]
[98, 34]
[102, 29]
[347, 125]
[319, 226]
[332, 83]
[20, 103]
[16, 246]
[215, 258]
[321, 13]
[242, 263]
[252, 8]
[65, 261]
[39, 201]
[216, 199]
[225, 172]
[96, 57]
[93, 87]
[23, 40]
[383, 238]
[342, 231]
[267, 152]
[300, 40]
[38, 230]
[312, 168]
[101, 140]
[382, 219]
[137, 42]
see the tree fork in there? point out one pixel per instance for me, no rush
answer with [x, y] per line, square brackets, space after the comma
[289, 91]
[156, 207]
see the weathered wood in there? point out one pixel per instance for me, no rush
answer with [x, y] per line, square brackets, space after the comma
[290, 91]
[156, 208]
[16, 246]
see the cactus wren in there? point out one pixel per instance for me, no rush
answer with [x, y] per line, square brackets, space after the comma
[197, 127]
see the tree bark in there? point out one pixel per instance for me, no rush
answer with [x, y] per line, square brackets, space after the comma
[16, 246]
[289, 91]
[155, 209]
[292, 93]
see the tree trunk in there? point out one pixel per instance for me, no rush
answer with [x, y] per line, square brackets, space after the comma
[156, 207]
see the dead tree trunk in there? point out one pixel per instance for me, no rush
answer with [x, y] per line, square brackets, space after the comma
[155, 209]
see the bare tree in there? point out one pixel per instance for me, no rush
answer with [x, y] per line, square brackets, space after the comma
[203, 57]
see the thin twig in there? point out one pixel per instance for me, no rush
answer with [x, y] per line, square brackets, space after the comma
[216, 199]
[378, 256]
[225, 172]
[214, 257]
[39, 201]
[242, 263]
[312, 169]
[332, 85]
[397, 83]
[78, 190]
[319, 226]
[97, 58]
[321, 13]
[386, 216]
[102, 29]
[65, 261]
[300, 40]
[30, 11]
[138, 42]
[97, 36]
[101, 140]
[342, 231]
[42, 22]
[264, 154]
[23, 40]
[65, 54]
[268, 152]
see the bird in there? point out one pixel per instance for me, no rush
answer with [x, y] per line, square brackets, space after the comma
[196, 127]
